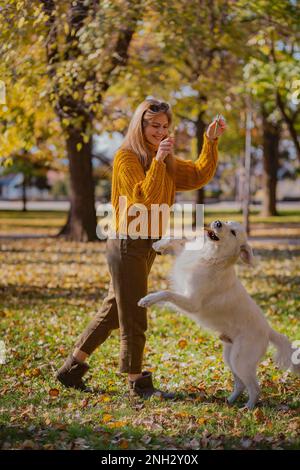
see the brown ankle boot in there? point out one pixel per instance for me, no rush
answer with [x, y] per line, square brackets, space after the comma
[71, 373]
[143, 388]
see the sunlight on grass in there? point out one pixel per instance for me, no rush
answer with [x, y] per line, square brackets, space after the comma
[50, 291]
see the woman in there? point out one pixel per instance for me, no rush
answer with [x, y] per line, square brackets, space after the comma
[146, 172]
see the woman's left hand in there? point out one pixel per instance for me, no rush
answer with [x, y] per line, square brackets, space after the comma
[216, 128]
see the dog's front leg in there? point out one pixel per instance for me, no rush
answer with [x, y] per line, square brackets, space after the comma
[169, 245]
[179, 300]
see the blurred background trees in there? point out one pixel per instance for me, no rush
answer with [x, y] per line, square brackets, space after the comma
[75, 71]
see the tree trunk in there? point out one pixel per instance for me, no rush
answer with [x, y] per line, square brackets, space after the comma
[271, 138]
[200, 128]
[290, 122]
[82, 222]
[24, 194]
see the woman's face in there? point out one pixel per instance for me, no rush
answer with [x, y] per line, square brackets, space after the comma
[156, 129]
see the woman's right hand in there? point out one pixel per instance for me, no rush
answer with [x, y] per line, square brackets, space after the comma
[165, 148]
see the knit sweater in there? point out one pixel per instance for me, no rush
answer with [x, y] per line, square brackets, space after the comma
[156, 186]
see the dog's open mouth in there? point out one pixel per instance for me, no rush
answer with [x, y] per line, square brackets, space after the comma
[211, 234]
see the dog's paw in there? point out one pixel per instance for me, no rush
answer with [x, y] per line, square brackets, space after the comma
[147, 301]
[158, 246]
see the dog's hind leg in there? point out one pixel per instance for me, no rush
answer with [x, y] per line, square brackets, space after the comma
[239, 387]
[244, 359]
[252, 388]
[179, 300]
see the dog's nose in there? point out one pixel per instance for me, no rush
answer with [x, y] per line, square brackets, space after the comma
[218, 224]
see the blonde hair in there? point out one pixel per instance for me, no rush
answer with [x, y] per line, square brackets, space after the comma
[135, 139]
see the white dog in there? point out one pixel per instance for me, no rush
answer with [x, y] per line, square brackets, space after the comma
[206, 288]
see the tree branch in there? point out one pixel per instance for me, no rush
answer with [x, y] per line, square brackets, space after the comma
[289, 122]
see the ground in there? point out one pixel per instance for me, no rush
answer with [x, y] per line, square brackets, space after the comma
[51, 289]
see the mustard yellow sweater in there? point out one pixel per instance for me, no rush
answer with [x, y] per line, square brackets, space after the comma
[157, 186]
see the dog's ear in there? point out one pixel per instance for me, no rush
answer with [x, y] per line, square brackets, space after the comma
[246, 254]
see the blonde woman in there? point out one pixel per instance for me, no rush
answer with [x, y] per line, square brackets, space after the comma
[146, 172]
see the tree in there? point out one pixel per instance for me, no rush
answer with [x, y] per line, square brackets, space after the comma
[271, 74]
[271, 139]
[33, 172]
[274, 35]
[82, 46]
[77, 102]
[188, 56]
[29, 128]
[92, 62]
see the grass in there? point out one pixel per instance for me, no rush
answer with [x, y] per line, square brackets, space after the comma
[50, 290]
[16, 222]
[31, 222]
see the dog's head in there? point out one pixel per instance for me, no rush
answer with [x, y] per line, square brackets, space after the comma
[228, 239]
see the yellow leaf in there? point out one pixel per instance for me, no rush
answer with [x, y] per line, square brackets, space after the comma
[106, 418]
[79, 146]
[200, 340]
[182, 343]
[66, 28]
[21, 22]
[8, 162]
[182, 414]
[48, 446]
[117, 424]
[201, 420]
[106, 399]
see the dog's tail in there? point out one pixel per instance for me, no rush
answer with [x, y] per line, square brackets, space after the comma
[287, 355]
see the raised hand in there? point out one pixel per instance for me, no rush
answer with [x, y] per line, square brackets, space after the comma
[165, 148]
[216, 127]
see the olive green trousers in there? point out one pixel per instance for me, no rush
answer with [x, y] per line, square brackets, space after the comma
[129, 261]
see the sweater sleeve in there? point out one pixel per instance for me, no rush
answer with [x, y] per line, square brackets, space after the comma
[140, 188]
[193, 175]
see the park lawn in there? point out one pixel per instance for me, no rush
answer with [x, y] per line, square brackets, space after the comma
[50, 289]
[48, 223]
[31, 222]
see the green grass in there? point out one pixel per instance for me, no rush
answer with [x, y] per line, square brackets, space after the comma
[44, 222]
[283, 217]
[50, 290]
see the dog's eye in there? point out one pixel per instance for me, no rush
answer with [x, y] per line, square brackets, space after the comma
[233, 232]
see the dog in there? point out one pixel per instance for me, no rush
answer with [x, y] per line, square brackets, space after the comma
[206, 288]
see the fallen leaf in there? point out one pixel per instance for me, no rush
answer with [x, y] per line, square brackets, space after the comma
[106, 418]
[123, 444]
[28, 444]
[182, 343]
[53, 392]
